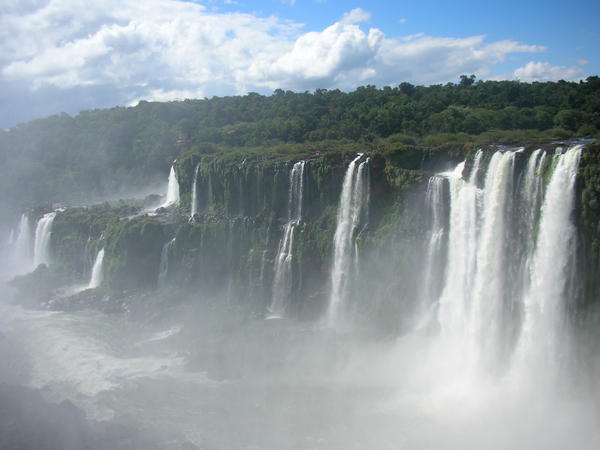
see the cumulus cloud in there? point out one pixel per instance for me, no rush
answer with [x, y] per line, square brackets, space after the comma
[356, 15]
[544, 71]
[169, 49]
[319, 58]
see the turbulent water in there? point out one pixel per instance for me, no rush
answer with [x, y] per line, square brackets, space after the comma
[487, 363]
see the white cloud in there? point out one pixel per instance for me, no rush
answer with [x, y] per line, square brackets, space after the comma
[161, 95]
[544, 71]
[167, 49]
[319, 58]
[356, 15]
[426, 59]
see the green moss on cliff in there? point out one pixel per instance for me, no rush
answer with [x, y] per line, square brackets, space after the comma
[589, 220]
[76, 234]
[133, 249]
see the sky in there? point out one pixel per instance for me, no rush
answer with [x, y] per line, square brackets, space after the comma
[71, 55]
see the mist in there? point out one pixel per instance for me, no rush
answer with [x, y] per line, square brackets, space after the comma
[312, 303]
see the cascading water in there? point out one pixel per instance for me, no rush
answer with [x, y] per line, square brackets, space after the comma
[212, 362]
[41, 248]
[479, 304]
[351, 209]
[164, 264]
[282, 282]
[97, 271]
[194, 205]
[490, 277]
[210, 198]
[529, 197]
[172, 189]
[433, 270]
[539, 347]
[22, 244]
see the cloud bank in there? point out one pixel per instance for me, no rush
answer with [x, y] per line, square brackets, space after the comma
[67, 55]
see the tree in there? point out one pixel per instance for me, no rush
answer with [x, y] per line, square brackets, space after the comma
[467, 80]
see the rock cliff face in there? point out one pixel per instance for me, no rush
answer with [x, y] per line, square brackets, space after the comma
[228, 250]
[588, 223]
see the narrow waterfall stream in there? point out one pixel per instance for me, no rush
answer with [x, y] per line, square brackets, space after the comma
[97, 271]
[163, 270]
[194, 201]
[282, 282]
[41, 247]
[352, 206]
[172, 196]
[23, 245]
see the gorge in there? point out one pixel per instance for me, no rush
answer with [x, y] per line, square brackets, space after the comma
[334, 299]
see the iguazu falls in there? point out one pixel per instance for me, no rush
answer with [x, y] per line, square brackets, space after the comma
[321, 264]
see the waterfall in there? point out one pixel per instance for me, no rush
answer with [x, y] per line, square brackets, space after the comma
[539, 343]
[41, 248]
[282, 282]
[97, 272]
[210, 196]
[194, 205]
[490, 276]
[509, 248]
[433, 274]
[473, 178]
[531, 196]
[172, 189]
[472, 298]
[164, 263]
[352, 207]
[22, 244]
[461, 259]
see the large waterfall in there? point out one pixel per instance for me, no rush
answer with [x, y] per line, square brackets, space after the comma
[97, 271]
[41, 248]
[282, 283]
[539, 348]
[507, 258]
[172, 196]
[447, 311]
[194, 201]
[351, 211]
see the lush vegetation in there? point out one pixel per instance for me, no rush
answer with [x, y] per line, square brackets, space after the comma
[97, 152]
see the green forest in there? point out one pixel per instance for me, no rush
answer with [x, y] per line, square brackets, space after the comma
[97, 152]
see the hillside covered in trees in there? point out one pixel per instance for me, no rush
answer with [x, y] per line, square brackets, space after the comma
[98, 152]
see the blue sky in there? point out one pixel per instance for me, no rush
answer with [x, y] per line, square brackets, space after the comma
[569, 29]
[69, 55]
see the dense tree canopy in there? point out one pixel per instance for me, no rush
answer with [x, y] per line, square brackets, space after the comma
[94, 152]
